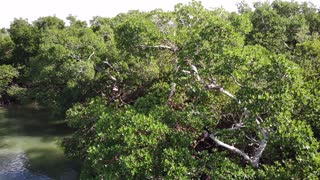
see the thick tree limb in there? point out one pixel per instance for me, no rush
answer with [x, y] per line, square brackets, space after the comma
[172, 91]
[231, 148]
[262, 144]
[219, 88]
[186, 72]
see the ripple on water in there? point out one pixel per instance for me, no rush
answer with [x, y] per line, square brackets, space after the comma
[29, 149]
[12, 167]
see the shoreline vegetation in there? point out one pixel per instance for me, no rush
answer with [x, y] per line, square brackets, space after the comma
[189, 93]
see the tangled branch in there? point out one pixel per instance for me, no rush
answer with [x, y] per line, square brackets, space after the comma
[253, 160]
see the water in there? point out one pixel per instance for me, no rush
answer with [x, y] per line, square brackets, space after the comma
[29, 147]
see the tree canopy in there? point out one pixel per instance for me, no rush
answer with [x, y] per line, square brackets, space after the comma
[189, 93]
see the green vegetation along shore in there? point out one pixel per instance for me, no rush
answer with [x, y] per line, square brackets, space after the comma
[192, 93]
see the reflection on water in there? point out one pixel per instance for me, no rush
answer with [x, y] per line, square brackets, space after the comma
[13, 166]
[29, 146]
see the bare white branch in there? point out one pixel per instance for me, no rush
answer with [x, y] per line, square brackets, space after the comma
[113, 68]
[235, 80]
[174, 49]
[172, 91]
[162, 47]
[213, 84]
[176, 66]
[231, 148]
[237, 126]
[254, 160]
[244, 114]
[113, 78]
[90, 55]
[262, 144]
[186, 72]
[194, 69]
[219, 88]
[251, 139]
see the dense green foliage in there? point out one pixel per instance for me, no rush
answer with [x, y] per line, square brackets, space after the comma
[7, 73]
[192, 93]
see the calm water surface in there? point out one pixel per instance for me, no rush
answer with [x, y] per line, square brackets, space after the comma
[29, 147]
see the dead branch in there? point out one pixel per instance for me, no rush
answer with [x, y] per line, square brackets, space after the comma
[231, 148]
[254, 160]
[90, 55]
[212, 85]
[172, 91]
[262, 144]
[174, 49]
[235, 81]
[161, 47]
